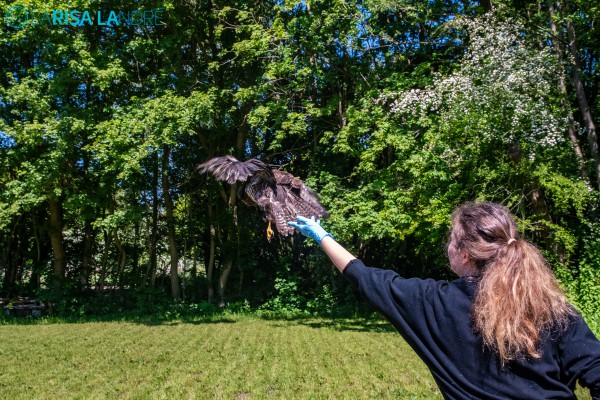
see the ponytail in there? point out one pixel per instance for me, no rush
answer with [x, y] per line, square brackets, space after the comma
[517, 298]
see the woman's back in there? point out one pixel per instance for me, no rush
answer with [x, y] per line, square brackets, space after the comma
[503, 330]
[434, 318]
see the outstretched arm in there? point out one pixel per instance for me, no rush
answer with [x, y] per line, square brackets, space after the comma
[336, 252]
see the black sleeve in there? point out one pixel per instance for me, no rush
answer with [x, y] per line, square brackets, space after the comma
[402, 301]
[580, 356]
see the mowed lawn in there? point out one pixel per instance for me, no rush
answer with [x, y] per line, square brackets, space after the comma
[227, 358]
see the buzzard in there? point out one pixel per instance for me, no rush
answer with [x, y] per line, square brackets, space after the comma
[279, 195]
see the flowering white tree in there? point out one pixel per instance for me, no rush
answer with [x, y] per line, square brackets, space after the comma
[493, 128]
[504, 91]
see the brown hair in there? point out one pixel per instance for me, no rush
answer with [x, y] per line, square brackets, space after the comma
[517, 298]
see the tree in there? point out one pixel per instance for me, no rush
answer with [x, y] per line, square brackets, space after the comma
[393, 111]
[491, 130]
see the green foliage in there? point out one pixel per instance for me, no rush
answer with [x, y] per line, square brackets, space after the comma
[288, 301]
[582, 282]
[324, 303]
[394, 112]
[490, 130]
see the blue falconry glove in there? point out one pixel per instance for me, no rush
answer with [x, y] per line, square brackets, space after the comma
[310, 228]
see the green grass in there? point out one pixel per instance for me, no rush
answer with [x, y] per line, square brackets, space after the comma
[232, 357]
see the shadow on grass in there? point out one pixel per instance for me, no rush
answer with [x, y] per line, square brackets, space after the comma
[190, 321]
[368, 322]
[148, 320]
[362, 322]
[350, 324]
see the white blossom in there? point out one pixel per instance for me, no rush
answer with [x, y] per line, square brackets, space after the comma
[500, 80]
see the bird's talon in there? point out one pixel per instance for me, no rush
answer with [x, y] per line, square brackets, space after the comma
[269, 232]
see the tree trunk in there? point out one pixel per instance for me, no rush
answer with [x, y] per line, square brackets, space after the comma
[8, 260]
[232, 204]
[151, 271]
[108, 237]
[223, 282]
[194, 271]
[56, 240]
[487, 5]
[22, 248]
[122, 259]
[210, 266]
[584, 107]
[34, 281]
[135, 250]
[84, 275]
[234, 230]
[562, 87]
[170, 225]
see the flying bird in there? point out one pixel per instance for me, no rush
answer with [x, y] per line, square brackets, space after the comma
[279, 195]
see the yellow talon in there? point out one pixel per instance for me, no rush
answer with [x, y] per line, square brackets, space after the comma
[269, 232]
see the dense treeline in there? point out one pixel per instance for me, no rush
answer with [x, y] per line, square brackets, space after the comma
[394, 111]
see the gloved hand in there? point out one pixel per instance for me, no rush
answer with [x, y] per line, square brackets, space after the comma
[310, 228]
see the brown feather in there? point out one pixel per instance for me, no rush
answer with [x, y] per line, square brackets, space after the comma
[279, 195]
[230, 170]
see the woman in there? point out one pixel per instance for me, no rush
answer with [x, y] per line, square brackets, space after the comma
[502, 330]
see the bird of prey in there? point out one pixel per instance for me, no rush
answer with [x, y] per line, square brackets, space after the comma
[279, 195]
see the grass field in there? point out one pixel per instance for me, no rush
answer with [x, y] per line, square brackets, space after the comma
[221, 358]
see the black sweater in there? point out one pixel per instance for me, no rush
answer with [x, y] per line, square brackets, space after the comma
[434, 318]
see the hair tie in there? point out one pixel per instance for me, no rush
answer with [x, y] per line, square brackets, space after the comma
[510, 241]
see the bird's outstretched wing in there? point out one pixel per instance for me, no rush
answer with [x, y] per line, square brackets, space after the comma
[230, 170]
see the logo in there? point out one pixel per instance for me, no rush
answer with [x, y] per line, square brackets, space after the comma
[17, 16]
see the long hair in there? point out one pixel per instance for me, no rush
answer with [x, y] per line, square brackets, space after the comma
[517, 297]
